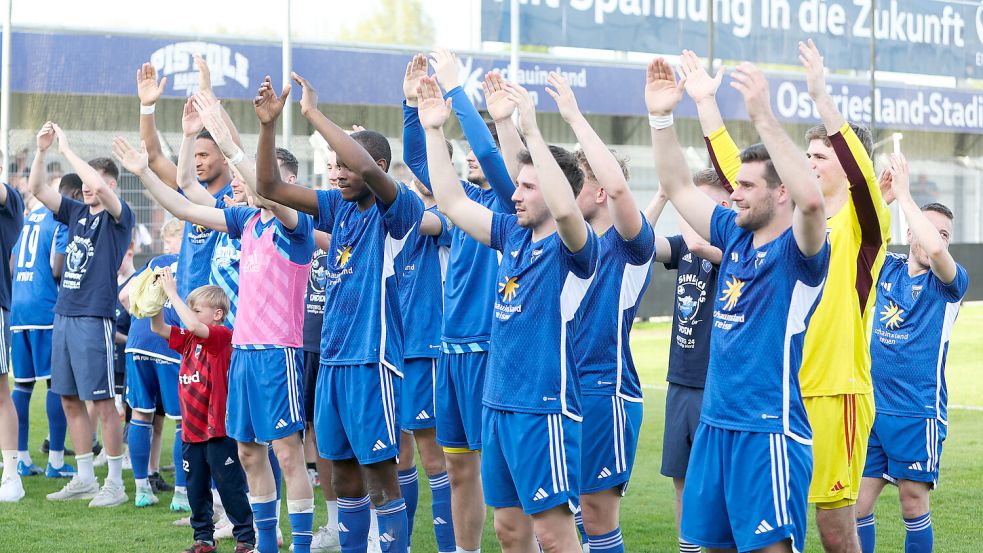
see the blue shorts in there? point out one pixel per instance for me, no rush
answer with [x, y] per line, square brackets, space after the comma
[905, 448]
[530, 461]
[746, 490]
[682, 419]
[82, 353]
[152, 382]
[265, 394]
[610, 437]
[459, 380]
[416, 399]
[355, 413]
[30, 351]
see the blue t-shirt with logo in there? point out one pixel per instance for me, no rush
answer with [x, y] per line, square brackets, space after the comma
[225, 272]
[421, 291]
[35, 289]
[197, 246]
[692, 315]
[314, 301]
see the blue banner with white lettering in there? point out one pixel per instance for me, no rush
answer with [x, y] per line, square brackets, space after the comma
[934, 37]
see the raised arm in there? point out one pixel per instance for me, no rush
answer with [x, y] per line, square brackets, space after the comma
[350, 153]
[653, 212]
[662, 94]
[702, 88]
[553, 183]
[414, 140]
[470, 216]
[816, 83]
[149, 90]
[501, 107]
[205, 90]
[607, 170]
[268, 109]
[38, 181]
[135, 161]
[925, 233]
[791, 164]
[187, 316]
[187, 180]
[90, 177]
[220, 127]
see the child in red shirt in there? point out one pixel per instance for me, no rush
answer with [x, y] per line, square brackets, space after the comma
[206, 350]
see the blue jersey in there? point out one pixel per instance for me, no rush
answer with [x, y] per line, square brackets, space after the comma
[141, 339]
[765, 297]
[35, 289]
[601, 346]
[295, 245]
[365, 326]
[421, 291]
[197, 246]
[225, 272]
[541, 285]
[912, 326]
[11, 222]
[314, 301]
[96, 246]
[696, 288]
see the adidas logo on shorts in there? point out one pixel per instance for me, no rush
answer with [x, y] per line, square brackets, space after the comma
[386, 538]
[540, 494]
[378, 446]
[422, 416]
[605, 472]
[763, 527]
[915, 466]
[438, 521]
[836, 487]
[281, 424]
[229, 461]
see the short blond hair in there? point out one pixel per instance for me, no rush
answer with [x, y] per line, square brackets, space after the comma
[172, 227]
[210, 296]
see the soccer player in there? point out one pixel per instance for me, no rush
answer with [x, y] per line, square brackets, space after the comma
[11, 222]
[82, 338]
[917, 305]
[775, 258]
[39, 259]
[611, 405]
[205, 346]
[469, 291]
[531, 405]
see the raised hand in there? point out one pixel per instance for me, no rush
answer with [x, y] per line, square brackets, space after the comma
[433, 109]
[662, 92]
[148, 89]
[751, 83]
[562, 94]
[134, 161]
[63, 145]
[884, 182]
[204, 74]
[815, 70]
[191, 122]
[46, 136]
[900, 183]
[167, 281]
[357, 128]
[415, 69]
[446, 68]
[525, 105]
[308, 97]
[699, 84]
[500, 105]
[267, 104]
[211, 118]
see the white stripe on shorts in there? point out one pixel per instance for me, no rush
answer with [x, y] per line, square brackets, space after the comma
[779, 477]
[108, 331]
[388, 407]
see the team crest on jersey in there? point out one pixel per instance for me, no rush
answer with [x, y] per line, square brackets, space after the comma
[197, 350]
[915, 292]
[891, 316]
[759, 259]
[343, 256]
[706, 266]
[691, 292]
[319, 272]
[732, 292]
[95, 224]
[508, 288]
[78, 254]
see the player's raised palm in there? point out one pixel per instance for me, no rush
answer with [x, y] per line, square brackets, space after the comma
[662, 92]
[524, 103]
[267, 104]
[308, 96]
[433, 109]
[751, 83]
[46, 136]
[133, 160]
[815, 68]
[415, 70]
[190, 121]
[900, 184]
[699, 84]
[562, 94]
[446, 68]
[497, 100]
[148, 89]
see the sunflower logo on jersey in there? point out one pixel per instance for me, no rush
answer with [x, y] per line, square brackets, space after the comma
[198, 234]
[343, 256]
[732, 292]
[891, 316]
[508, 288]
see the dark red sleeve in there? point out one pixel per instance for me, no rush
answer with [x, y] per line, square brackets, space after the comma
[219, 338]
[178, 338]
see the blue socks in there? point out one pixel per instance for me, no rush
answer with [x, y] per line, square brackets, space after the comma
[409, 488]
[57, 423]
[440, 503]
[180, 478]
[919, 535]
[607, 543]
[578, 519]
[264, 516]
[139, 441]
[301, 513]
[22, 404]
[353, 523]
[867, 533]
[392, 526]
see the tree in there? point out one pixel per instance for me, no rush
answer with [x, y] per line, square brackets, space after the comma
[394, 22]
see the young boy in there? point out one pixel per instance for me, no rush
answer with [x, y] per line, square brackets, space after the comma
[205, 346]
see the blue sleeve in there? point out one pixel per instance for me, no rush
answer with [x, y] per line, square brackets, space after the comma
[445, 236]
[502, 224]
[405, 212]
[638, 250]
[955, 290]
[583, 263]
[61, 238]
[814, 267]
[327, 206]
[66, 209]
[126, 219]
[676, 244]
[722, 225]
[484, 148]
[300, 240]
[415, 145]
[236, 219]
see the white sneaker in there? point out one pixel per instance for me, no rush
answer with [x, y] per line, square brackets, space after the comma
[110, 495]
[325, 540]
[223, 528]
[101, 460]
[11, 489]
[374, 546]
[75, 489]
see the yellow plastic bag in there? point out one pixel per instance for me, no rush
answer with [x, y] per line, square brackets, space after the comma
[147, 297]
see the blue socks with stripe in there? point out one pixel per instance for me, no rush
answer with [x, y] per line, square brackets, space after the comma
[57, 423]
[21, 396]
[440, 504]
[607, 543]
[409, 488]
[919, 534]
[353, 523]
[139, 437]
[578, 519]
[301, 513]
[177, 455]
[264, 516]
[392, 526]
[867, 533]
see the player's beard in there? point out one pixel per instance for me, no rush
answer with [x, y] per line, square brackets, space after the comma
[757, 217]
[478, 180]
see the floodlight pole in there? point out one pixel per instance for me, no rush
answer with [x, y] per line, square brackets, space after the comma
[5, 87]
[514, 37]
[288, 107]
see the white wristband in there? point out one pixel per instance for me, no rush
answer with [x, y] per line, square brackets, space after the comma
[659, 122]
[147, 110]
[238, 158]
